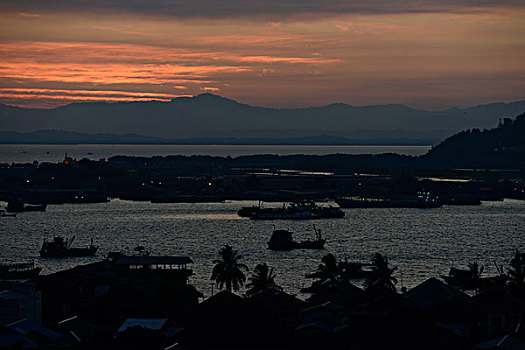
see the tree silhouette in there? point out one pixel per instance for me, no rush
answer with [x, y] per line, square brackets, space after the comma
[228, 271]
[262, 278]
[475, 274]
[327, 271]
[381, 279]
[517, 274]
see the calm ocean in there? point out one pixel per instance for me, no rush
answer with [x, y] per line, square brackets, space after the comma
[422, 243]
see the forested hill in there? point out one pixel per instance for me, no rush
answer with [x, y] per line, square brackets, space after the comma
[501, 147]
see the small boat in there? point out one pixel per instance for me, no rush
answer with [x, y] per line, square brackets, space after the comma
[3, 213]
[282, 240]
[19, 271]
[464, 279]
[60, 247]
[18, 207]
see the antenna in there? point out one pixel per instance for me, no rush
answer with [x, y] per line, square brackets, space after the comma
[71, 241]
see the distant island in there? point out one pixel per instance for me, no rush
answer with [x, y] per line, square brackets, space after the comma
[213, 119]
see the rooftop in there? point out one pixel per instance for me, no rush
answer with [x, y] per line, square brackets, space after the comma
[150, 323]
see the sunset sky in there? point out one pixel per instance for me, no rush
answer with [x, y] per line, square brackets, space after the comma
[425, 54]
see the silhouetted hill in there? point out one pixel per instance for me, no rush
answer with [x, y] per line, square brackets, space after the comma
[503, 147]
[212, 116]
[70, 137]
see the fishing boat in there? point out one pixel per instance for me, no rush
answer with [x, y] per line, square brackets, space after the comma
[60, 247]
[465, 279]
[18, 271]
[423, 200]
[18, 207]
[282, 240]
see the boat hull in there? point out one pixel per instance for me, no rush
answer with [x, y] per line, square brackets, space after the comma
[18, 208]
[7, 274]
[69, 252]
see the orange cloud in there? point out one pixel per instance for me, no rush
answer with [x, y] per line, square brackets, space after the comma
[366, 58]
[30, 15]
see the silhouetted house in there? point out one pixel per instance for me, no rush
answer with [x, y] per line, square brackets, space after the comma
[281, 306]
[20, 302]
[67, 292]
[316, 330]
[380, 305]
[80, 330]
[173, 267]
[42, 336]
[226, 320]
[446, 306]
[219, 321]
[13, 340]
[341, 294]
[503, 312]
[163, 325]
[108, 291]
[221, 301]
[327, 313]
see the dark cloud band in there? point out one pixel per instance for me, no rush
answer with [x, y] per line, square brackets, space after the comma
[232, 8]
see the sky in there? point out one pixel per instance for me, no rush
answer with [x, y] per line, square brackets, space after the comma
[274, 53]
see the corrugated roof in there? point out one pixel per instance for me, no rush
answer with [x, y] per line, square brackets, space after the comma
[25, 327]
[150, 323]
[11, 295]
[153, 260]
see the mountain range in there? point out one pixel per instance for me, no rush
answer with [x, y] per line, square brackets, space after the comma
[211, 117]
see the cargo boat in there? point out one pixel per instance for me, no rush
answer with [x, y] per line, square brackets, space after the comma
[292, 211]
[60, 247]
[282, 240]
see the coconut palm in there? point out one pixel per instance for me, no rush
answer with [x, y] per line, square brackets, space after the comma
[475, 274]
[327, 272]
[228, 271]
[381, 278]
[517, 272]
[262, 278]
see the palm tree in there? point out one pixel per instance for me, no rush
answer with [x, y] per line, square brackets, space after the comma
[517, 272]
[381, 278]
[327, 272]
[228, 271]
[475, 275]
[262, 278]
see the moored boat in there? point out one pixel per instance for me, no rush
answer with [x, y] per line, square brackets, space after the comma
[293, 211]
[60, 247]
[18, 207]
[282, 240]
[18, 271]
[465, 279]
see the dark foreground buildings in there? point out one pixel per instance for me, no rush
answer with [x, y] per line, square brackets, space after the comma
[145, 302]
